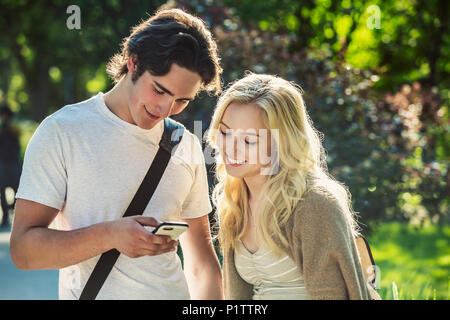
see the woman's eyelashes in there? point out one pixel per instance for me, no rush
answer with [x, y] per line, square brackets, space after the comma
[227, 133]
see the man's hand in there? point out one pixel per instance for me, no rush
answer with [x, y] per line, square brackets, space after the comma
[130, 238]
[34, 245]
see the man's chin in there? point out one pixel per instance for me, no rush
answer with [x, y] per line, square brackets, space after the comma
[148, 125]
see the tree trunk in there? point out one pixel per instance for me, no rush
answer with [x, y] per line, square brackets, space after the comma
[38, 88]
[435, 52]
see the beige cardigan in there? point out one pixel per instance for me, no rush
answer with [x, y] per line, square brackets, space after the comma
[322, 246]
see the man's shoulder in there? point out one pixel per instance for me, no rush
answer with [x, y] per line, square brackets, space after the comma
[75, 113]
[190, 149]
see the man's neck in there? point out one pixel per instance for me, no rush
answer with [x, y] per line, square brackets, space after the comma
[116, 101]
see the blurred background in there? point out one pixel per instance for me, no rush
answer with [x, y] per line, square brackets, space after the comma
[375, 76]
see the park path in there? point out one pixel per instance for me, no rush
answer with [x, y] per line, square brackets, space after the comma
[24, 285]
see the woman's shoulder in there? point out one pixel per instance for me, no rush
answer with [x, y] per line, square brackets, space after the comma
[317, 197]
[321, 206]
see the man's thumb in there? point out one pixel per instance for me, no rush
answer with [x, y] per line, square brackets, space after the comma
[148, 221]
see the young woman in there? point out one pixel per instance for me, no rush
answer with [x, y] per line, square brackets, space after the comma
[286, 226]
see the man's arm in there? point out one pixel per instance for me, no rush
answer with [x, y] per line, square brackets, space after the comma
[201, 265]
[34, 246]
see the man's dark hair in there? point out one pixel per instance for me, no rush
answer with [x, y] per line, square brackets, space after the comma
[170, 36]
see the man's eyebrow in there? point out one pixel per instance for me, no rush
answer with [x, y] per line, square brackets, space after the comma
[162, 88]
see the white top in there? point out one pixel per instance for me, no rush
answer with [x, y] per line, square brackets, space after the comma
[89, 163]
[272, 277]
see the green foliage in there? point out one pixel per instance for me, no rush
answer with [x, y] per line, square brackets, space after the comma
[57, 64]
[417, 260]
[411, 42]
[26, 128]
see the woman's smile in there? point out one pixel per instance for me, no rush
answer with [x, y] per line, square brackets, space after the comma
[234, 163]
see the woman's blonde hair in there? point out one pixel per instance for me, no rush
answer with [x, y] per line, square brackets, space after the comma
[301, 163]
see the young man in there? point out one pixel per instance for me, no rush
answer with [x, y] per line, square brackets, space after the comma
[86, 161]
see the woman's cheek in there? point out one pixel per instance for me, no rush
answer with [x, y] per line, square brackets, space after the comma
[220, 144]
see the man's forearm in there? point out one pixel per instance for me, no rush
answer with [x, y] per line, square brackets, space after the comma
[44, 248]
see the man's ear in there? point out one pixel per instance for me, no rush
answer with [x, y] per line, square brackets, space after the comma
[132, 63]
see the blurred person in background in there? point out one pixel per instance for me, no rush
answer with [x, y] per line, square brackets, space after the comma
[10, 165]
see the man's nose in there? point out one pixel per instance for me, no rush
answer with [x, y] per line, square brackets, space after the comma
[165, 106]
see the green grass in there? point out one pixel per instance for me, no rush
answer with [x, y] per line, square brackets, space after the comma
[415, 260]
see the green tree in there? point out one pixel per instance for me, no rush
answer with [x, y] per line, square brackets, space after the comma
[411, 43]
[55, 65]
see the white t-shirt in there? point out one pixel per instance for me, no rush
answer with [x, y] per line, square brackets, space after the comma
[89, 163]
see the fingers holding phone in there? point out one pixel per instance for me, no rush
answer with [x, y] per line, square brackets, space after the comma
[130, 237]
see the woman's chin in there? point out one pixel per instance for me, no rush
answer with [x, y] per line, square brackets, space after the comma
[242, 171]
[235, 171]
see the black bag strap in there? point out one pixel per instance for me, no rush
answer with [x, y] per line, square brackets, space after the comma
[172, 135]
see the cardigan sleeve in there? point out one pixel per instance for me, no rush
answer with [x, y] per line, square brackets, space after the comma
[325, 249]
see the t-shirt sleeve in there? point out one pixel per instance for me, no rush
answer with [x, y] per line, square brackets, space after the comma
[44, 175]
[197, 203]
